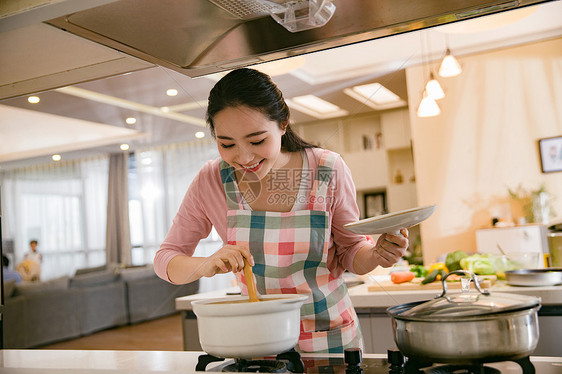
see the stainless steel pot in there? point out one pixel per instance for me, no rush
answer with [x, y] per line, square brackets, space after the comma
[534, 277]
[231, 329]
[467, 327]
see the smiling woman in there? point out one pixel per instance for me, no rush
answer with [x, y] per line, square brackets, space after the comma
[296, 246]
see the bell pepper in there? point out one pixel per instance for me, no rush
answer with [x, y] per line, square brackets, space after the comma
[438, 266]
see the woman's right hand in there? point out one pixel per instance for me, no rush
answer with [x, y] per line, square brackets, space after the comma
[229, 258]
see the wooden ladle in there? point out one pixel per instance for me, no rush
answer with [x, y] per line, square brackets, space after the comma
[250, 282]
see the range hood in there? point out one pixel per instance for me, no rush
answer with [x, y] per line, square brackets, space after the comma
[199, 37]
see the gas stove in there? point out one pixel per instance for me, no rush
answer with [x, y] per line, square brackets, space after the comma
[353, 362]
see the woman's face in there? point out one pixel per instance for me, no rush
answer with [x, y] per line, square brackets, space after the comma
[249, 141]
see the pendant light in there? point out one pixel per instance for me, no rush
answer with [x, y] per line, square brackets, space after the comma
[450, 67]
[433, 88]
[428, 107]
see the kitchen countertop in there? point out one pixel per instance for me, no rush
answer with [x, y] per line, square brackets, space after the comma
[32, 361]
[362, 298]
[35, 361]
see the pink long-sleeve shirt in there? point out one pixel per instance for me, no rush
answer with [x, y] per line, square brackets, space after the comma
[204, 206]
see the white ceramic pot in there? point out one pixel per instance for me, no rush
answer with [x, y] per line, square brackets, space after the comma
[248, 330]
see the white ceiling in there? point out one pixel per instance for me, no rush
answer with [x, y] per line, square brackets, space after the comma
[36, 55]
[37, 134]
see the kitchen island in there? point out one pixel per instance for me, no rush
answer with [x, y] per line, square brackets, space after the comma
[377, 326]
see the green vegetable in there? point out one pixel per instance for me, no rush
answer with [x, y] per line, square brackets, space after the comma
[432, 277]
[419, 270]
[478, 264]
[453, 260]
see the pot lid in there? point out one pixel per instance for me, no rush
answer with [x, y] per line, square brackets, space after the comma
[469, 305]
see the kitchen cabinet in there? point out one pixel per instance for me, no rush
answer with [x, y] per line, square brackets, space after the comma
[369, 169]
[190, 331]
[401, 196]
[395, 126]
[401, 191]
[375, 147]
[376, 327]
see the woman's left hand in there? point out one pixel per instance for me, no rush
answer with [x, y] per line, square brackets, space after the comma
[390, 248]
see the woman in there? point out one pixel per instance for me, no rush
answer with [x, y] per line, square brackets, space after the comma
[280, 203]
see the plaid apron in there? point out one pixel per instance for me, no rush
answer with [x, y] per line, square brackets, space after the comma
[290, 251]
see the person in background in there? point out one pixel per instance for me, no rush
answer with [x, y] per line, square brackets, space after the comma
[33, 254]
[280, 204]
[7, 273]
[30, 267]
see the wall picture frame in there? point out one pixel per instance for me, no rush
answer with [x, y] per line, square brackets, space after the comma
[550, 151]
[375, 204]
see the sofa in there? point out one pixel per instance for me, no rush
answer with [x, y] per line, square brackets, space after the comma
[40, 313]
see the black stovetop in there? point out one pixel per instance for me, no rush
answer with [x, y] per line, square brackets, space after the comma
[356, 363]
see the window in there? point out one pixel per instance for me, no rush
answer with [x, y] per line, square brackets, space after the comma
[63, 207]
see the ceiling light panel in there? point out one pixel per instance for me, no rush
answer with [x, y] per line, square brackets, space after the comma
[316, 107]
[376, 96]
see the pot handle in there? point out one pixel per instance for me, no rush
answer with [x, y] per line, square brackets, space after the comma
[467, 273]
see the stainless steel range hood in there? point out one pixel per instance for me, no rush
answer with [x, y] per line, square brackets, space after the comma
[198, 37]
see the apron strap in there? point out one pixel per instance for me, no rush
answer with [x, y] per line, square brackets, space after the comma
[318, 193]
[233, 196]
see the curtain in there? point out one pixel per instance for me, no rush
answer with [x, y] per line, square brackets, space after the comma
[62, 206]
[118, 239]
[159, 179]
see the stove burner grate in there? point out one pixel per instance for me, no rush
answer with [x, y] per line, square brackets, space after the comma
[461, 369]
[284, 362]
[415, 366]
[256, 366]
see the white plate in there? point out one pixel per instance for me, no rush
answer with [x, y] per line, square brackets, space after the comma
[392, 222]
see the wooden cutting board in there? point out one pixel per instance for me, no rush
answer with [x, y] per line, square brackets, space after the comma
[415, 285]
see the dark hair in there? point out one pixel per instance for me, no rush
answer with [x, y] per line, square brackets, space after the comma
[254, 89]
[5, 261]
[33, 241]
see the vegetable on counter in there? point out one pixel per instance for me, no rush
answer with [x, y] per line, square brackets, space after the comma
[478, 264]
[453, 260]
[434, 275]
[419, 270]
[438, 266]
[401, 276]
